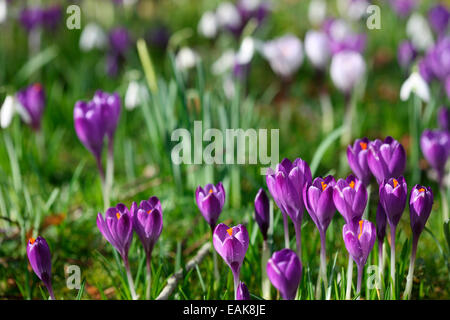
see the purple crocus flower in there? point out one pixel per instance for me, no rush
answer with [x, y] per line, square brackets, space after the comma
[210, 201]
[359, 242]
[119, 40]
[147, 222]
[386, 159]
[284, 270]
[262, 213]
[435, 145]
[341, 37]
[242, 292]
[158, 37]
[318, 198]
[357, 159]
[439, 18]
[31, 18]
[420, 205]
[444, 118]
[350, 199]
[425, 70]
[251, 9]
[403, 7]
[40, 259]
[286, 186]
[437, 58]
[117, 228]
[32, 99]
[393, 193]
[232, 244]
[406, 54]
[51, 17]
[110, 105]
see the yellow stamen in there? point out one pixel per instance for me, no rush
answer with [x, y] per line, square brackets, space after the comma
[210, 191]
[230, 231]
[352, 184]
[32, 240]
[421, 190]
[395, 183]
[324, 185]
[118, 215]
[363, 145]
[360, 229]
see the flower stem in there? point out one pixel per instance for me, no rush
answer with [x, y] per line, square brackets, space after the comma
[286, 229]
[149, 275]
[216, 269]
[349, 278]
[444, 203]
[265, 283]
[298, 237]
[410, 277]
[414, 134]
[236, 282]
[360, 276]
[380, 267]
[366, 210]
[323, 266]
[109, 170]
[50, 291]
[130, 278]
[392, 261]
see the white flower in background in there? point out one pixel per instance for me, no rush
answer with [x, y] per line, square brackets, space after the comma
[250, 5]
[136, 94]
[352, 9]
[417, 85]
[285, 55]
[228, 15]
[3, 10]
[246, 51]
[347, 69]
[419, 32]
[10, 107]
[317, 12]
[186, 58]
[224, 63]
[230, 58]
[92, 37]
[207, 25]
[340, 29]
[317, 48]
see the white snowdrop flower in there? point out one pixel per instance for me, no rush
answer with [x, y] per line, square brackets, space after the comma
[347, 69]
[7, 111]
[250, 5]
[352, 9]
[285, 54]
[317, 12]
[92, 37]
[3, 10]
[246, 51]
[317, 48]
[207, 25]
[136, 94]
[224, 63]
[419, 32]
[186, 58]
[417, 85]
[228, 15]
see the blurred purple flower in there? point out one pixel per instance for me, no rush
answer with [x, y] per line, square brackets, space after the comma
[40, 259]
[403, 7]
[119, 40]
[435, 145]
[284, 270]
[439, 18]
[31, 18]
[444, 118]
[210, 201]
[406, 54]
[32, 99]
[262, 214]
[158, 37]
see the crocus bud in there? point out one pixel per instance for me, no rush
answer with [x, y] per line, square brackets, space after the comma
[117, 228]
[284, 270]
[210, 202]
[420, 205]
[357, 159]
[119, 40]
[386, 159]
[284, 54]
[40, 259]
[359, 241]
[444, 118]
[262, 212]
[318, 198]
[436, 58]
[347, 69]
[435, 145]
[381, 222]
[32, 99]
[406, 54]
[393, 193]
[242, 292]
[350, 199]
[147, 222]
[231, 244]
[438, 16]
[31, 18]
[317, 48]
[403, 7]
[286, 186]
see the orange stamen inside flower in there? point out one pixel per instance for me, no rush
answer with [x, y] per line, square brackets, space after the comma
[352, 184]
[324, 185]
[421, 190]
[395, 183]
[149, 211]
[230, 231]
[363, 145]
[360, 229]
[32, 240]
[210, 191]
[118, 215]
[37, 86]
